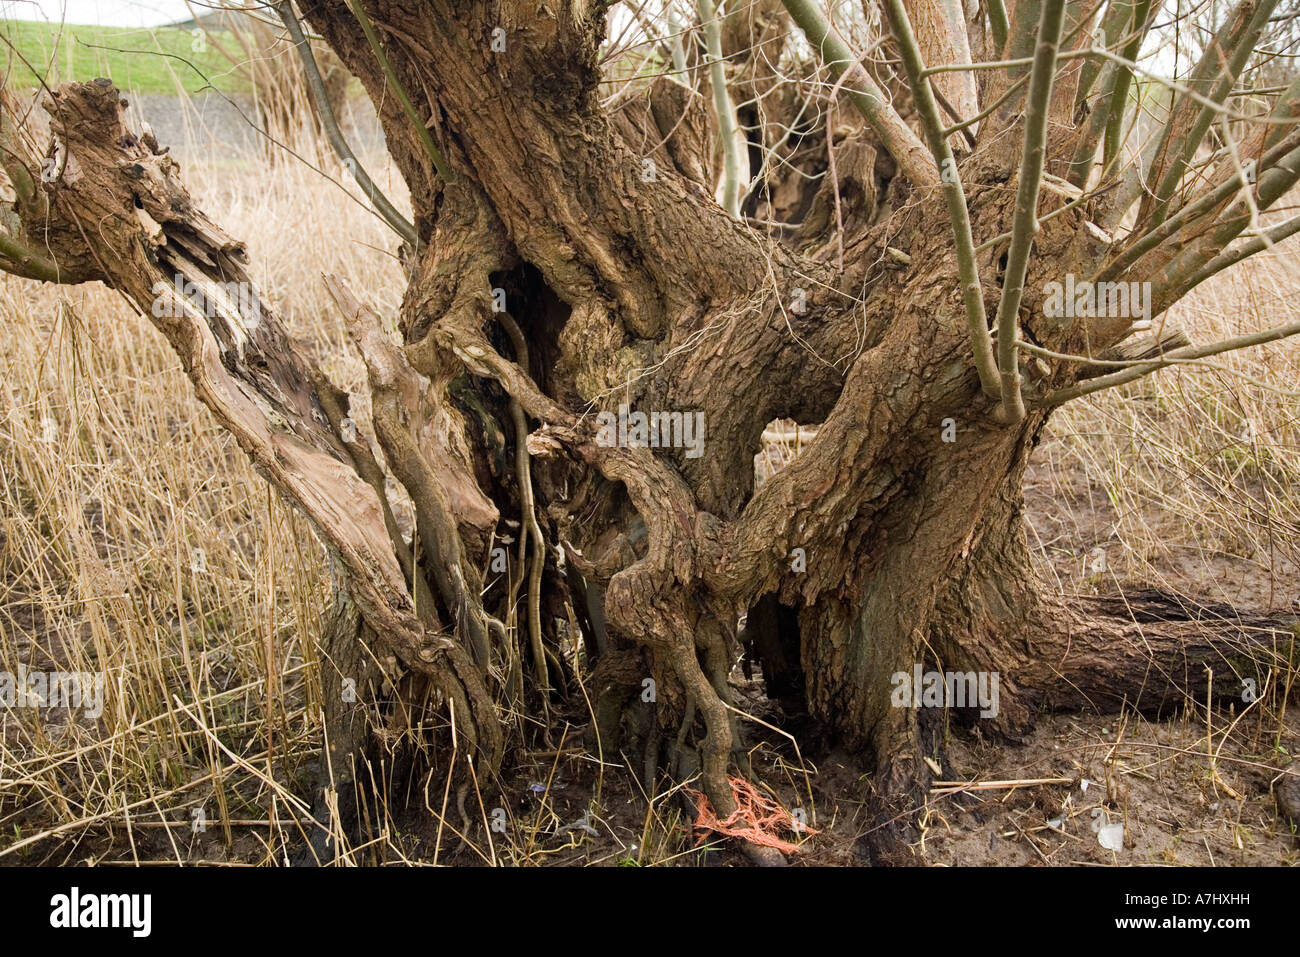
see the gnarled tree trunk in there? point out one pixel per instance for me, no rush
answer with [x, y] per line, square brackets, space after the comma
[571, 259]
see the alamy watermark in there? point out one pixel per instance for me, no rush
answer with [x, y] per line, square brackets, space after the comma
[53, 689]
[946, 689]
[656, 430]
[133, 912]
[1083, 299]
[241, 296]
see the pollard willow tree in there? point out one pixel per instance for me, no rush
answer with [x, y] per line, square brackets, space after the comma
[756, 221]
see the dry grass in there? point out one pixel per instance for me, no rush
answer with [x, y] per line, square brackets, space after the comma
[1189, 479]
[136, 541]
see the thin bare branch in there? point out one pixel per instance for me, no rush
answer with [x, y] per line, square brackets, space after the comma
[1062, 396]
[1025, 224]
[997, 24]
[321, 100]
[954, 195]
[722, 107]
[1272, 184]
[1106, 112]
[905, 146]
[1117, 98]
[1213, 78]
[1202, 207]
[1117, 18]
[418, 122]
[1230, 257]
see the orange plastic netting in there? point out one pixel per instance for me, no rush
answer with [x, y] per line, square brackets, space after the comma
[757, 818]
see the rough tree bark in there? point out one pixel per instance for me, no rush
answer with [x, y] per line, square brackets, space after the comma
[896, 538]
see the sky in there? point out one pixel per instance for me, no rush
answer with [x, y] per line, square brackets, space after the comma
[109, 13]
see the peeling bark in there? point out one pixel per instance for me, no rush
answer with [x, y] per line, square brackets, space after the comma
[121, 198]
